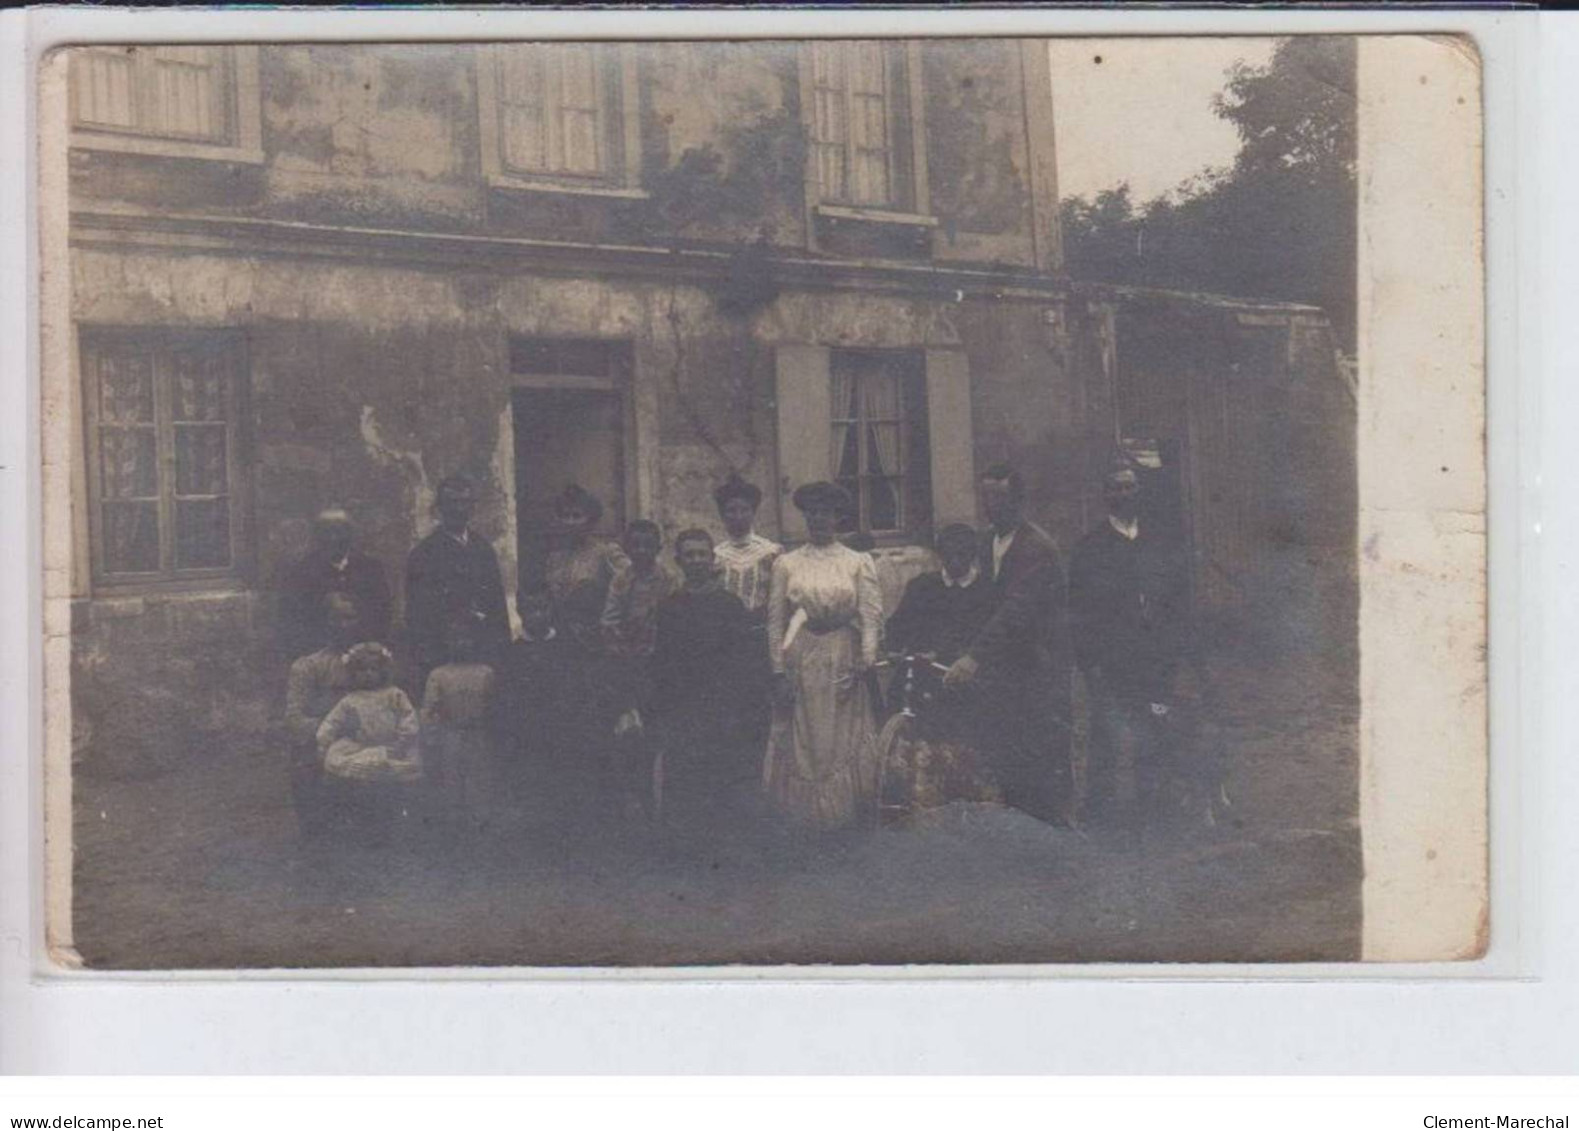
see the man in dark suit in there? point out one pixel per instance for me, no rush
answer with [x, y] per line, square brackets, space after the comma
[454, 572]
[1128, 608]
[1019, 656]
[333, 564]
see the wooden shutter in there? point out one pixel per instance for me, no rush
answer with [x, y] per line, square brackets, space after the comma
[953, 441]
[804, 438]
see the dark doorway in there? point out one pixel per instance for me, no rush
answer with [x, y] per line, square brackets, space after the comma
[564, 436]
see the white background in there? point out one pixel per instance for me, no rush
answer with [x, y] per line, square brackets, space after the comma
[1517, 1012]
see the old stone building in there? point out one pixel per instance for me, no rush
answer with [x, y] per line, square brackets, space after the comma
[313, 274]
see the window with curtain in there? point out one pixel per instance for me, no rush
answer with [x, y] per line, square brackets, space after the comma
[559, 110]
[859, 123]
[183, 94]
[161, 418]
[879, 441]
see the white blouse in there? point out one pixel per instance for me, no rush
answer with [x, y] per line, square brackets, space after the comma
[823, 583]
[747, 568]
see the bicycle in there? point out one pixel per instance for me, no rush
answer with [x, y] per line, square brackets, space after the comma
[923, 762]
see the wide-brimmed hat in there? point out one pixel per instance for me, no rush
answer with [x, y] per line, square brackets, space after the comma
[737, 488]
[822, 494]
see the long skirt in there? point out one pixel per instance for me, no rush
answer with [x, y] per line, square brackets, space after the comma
[822, 764]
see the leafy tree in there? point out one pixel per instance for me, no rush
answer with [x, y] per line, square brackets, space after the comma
[1279, 223]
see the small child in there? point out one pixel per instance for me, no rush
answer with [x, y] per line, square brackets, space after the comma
[368, 741]
[630, 613]
[457, 722]
[630, 632]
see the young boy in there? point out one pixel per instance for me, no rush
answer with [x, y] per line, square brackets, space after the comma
[700, 726]
[546, 712]
[941, 613]
[457, 725]
[630, 613]
[630, 627]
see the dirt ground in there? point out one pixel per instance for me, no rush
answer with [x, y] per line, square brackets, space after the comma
[202, 867]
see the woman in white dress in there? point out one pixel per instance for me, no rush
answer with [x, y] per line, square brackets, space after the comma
[824, 614]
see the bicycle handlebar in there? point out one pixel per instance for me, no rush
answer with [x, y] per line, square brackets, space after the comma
[892, 659]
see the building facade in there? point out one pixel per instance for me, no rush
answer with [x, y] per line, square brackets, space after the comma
[305, 275]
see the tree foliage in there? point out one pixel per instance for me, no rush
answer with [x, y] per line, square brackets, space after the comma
[1279, 223]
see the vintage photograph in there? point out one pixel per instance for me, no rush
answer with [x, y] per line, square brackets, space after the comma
[700, 503]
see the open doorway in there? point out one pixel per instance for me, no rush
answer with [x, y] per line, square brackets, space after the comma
[570, 412]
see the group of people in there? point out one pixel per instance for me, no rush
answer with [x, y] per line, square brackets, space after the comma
[737, 674]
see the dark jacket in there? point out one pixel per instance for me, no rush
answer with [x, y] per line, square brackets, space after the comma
[304, 625]
[1023, 636]
[1129, 611]
[699, 667]
[445, 577]
[542, 695]
[940, 618]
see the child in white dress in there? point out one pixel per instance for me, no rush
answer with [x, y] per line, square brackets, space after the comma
[368, 742]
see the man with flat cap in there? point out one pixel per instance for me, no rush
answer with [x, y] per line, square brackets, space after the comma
[454, 572]
[332, 564]
[1128, 607]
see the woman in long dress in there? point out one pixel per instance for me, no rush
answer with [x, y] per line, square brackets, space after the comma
[824, 615]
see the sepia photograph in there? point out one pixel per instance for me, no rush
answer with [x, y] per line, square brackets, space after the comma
[767, 503]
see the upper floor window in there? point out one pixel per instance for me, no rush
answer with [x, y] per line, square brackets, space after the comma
[560, 115]
[162, 413]
[194, 101]
[865, 126]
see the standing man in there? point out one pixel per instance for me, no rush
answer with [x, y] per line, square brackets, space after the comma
[1128, 606]
[454, 572]
[1017, 656]
[332, 564]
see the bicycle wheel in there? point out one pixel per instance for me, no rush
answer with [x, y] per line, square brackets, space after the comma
[896, 775]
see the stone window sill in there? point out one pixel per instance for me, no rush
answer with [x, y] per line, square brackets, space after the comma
[166, 147]
[876, 216]
[526, 184]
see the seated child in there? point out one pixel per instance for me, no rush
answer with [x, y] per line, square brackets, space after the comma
[369, 740]
[457, 723]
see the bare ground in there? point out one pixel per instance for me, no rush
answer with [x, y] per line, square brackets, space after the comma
[202, 867]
